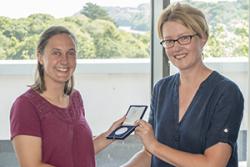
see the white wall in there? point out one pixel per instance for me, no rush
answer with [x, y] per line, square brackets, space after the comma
[108, 87]
[107, 96]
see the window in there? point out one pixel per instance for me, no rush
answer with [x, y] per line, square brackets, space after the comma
[113, 68]
[102, 31]
[110, 42]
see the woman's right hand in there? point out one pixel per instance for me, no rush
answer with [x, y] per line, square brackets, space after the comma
[145, 132]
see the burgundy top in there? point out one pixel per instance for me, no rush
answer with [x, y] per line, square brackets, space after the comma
[66, 136]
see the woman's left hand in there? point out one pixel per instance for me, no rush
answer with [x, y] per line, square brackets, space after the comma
[100, 142]
[145, 131]
[115, 125]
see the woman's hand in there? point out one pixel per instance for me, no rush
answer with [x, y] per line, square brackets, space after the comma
[145, 132]
[100, 141]
[115, 125]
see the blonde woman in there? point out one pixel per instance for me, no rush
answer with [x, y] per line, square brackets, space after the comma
[195, 114]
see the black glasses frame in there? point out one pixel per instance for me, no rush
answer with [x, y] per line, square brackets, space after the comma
[172, 41]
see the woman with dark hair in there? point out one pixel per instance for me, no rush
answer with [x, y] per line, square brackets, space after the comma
[48, 125]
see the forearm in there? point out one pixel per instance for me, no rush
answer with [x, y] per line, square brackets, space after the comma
[176, 157]
[217, 156]
[45, 165]
[141, 159]
[36, 165]
[100, 142]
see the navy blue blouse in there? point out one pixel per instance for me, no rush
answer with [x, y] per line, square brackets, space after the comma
[213, 116]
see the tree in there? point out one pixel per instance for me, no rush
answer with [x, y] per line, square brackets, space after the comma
[106, 38]
[18, 29]
[25, 49]
[39, 22]
[216, 42]
[86, 47]
[4, 44]
[94, 12]
[100, 38]
[138, 45]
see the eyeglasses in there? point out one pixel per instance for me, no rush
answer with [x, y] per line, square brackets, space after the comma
[183, 40]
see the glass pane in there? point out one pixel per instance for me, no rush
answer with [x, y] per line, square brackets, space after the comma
[227, 49]
[113, 69]
[104, 29]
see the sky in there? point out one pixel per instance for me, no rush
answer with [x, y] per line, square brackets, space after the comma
[62, 8]
[57, 8]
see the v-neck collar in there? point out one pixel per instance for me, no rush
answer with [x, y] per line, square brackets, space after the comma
[192, 101]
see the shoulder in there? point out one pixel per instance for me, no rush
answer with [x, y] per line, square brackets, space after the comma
[167, 81]
[75, 93]
[23, 103]
[226, 85]
[24, 100]
[226, 92]
[24, 116]
[76, 97]
[23, 109]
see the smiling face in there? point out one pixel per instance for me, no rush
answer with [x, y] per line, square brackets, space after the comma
[58, 59]
[183, 56]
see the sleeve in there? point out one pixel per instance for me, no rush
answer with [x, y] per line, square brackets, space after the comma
[226, 119]
[153, 105]
[24, 120]
[79, 100]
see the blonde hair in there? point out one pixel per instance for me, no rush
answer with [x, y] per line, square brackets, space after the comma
[186, 15]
